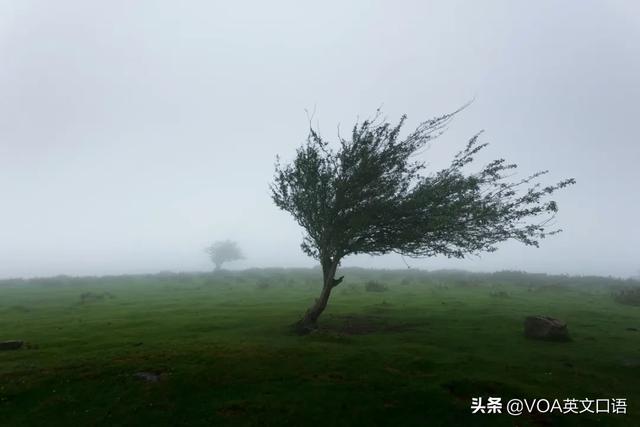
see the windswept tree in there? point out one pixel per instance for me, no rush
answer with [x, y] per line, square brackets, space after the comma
[224, 251]
[369, 195]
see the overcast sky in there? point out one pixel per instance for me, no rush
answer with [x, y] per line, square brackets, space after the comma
[134, 133]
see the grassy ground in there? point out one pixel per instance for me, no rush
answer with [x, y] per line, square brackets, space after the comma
[412, 355]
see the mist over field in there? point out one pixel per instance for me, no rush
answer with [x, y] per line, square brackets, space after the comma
[290, 213]
[134, 134]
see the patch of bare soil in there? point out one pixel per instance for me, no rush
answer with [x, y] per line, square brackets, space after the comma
[354, 324]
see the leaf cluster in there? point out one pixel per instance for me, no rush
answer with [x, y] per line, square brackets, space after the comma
[370, 195]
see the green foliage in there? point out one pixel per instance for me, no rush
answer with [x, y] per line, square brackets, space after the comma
[629, 296]
[369, 195]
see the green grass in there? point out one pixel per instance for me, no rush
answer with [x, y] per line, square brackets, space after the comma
[413, 355]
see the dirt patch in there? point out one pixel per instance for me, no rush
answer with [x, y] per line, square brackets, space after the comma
[365, 324]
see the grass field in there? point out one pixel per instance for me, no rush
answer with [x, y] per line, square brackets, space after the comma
[215, 349]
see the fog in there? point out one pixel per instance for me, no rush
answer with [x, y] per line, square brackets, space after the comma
[134, 134]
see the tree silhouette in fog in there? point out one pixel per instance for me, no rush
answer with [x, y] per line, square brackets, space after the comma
[224, 251]
[368, 195]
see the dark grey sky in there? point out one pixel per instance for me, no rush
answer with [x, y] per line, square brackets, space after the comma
[132, 134]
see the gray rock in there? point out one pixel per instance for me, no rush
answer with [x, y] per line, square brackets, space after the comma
[151, 377]
[546, 328]
[11, 345]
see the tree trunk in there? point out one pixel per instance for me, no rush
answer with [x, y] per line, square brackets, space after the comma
[309, 321]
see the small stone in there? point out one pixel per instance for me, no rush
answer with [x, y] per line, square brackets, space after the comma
[151, 377]
[545, 328]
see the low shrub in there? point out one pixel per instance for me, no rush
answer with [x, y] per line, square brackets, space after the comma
[373, 286]
[89, 297]
[629, 296]
[263, 285]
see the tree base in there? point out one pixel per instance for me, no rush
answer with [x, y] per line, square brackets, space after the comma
[304, 327]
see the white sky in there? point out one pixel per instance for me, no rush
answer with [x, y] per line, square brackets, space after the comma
[133, 134]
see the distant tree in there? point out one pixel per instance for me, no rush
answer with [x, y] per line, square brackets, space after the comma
[224, 251]
[368, 196]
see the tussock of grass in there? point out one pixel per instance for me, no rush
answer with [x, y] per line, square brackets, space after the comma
[373, 286]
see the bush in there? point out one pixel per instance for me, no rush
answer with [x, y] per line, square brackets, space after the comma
[630, 296]
[263, 284]
[373, 286]
[89, 297]
[406, 281]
